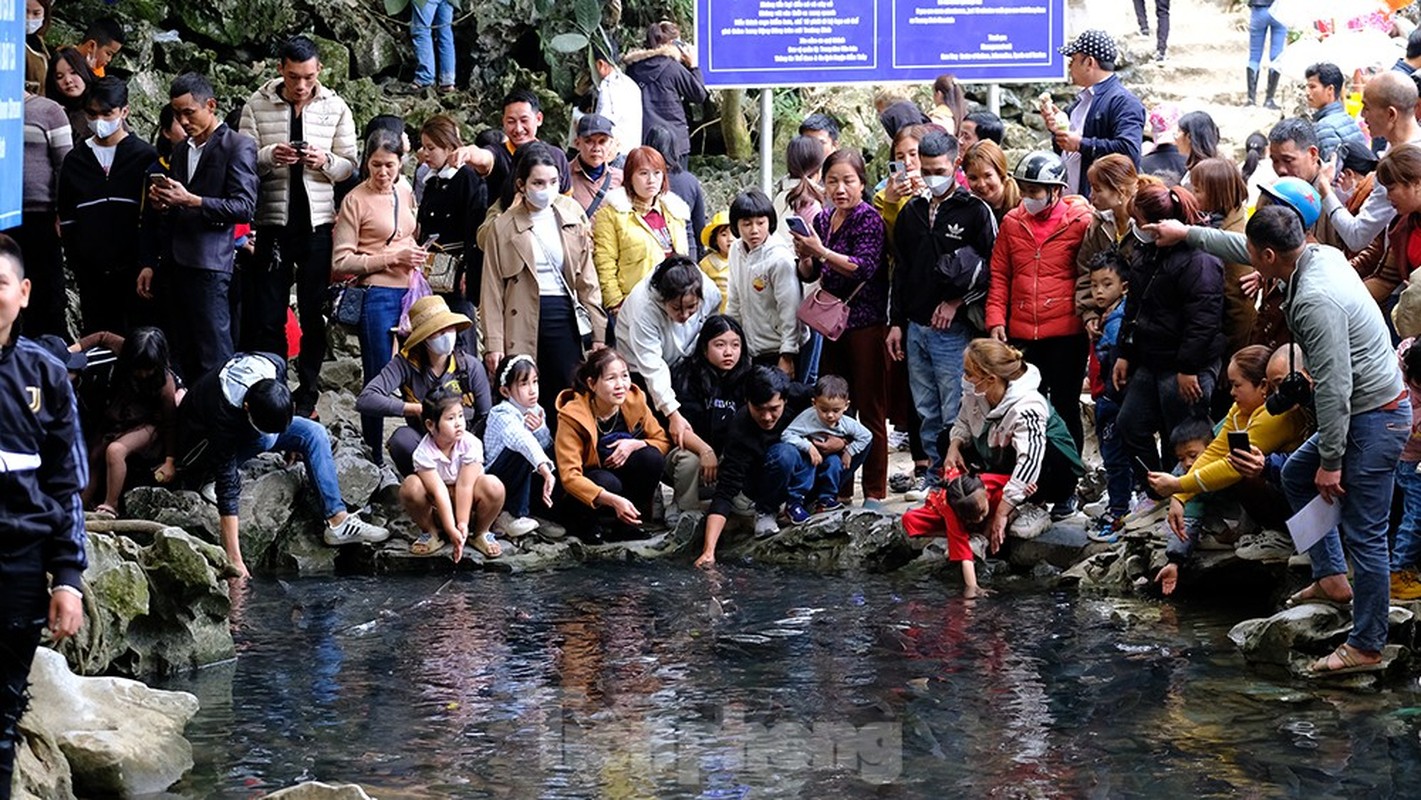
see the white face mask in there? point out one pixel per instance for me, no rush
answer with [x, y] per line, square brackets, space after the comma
[939, 185]
[1035, 206]
[32, 25]
[1344, 195]
[970, 390]
[540, 198]
[442, 344]
[104, 128]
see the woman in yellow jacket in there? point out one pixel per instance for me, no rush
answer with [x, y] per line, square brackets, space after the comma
[638, 226]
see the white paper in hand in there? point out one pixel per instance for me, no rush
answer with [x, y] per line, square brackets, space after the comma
[1308, 526]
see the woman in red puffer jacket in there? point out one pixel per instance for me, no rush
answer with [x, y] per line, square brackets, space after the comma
[1031, 300]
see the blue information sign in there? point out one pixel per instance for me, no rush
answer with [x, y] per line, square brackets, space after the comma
[749, 43]
[12, 111]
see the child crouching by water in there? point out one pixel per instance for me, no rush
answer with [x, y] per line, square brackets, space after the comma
[449, 484]
[518, 441]
[958, 508]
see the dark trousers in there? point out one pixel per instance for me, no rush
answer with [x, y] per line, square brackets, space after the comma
[634, 480]
[44, 267]
[860, 357]
[282, 255]
[401, 445]
[559, 350]
[201, 335]
[108, 301]
[23, 605]
[1062, 362]
[1161, 22]
[1152, 406]
[516, 475]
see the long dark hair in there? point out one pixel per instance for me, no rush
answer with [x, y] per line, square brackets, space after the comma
[697, 375]
[144, 350]
[80, 65]
[1203, 136]
[528, 155]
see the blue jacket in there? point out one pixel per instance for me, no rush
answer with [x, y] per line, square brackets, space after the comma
[43, 463]
[1107, 347]
[1334, 127]
[1115, 124]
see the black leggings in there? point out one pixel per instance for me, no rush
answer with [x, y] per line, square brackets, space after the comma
[634, 480]
[23, 605]
[1061, 361]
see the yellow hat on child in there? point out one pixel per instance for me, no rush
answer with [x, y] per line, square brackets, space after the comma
[721, 218]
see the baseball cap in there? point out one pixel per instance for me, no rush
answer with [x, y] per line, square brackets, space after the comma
[592, 124]
[1094, 43]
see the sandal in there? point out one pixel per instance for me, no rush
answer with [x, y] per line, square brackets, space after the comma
[1302, 597]
[427, 544]
[1346, 656]
[486, 543]
[105, 511]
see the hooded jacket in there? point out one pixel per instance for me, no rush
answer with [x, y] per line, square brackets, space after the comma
[1012, 437]
[625, 249]
[100, 213]
[667, 85]
[575, 444]
[764, 294]
[1033, 283]
[326, 122]
[1176, 310]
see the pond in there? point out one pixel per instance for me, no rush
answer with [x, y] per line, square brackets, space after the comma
[632, 681]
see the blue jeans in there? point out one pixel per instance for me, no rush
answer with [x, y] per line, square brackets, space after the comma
[1407, 551]
[935, 378]
[1374, 442]
[824, 482]
[1119, 481]
[1261, 24]
[438, 15]
[380, 315]
[768, 484]
[517, 476]
[309, 438]
[807, 368]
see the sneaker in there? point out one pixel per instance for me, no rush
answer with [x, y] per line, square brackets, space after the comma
[354, 529]
[549, 529]
[897, 440]
[742, 504]
[919, 490]
[1106, 530]
[901, 482]
[1265, 546]
[1146, 515]
[873, 504]
[208, 492]
[828, 505]
[766, 525]
[796, 512]
[1064, 509]
[673, 515]
[1030, 522]
[514, 527]
[1405, 585]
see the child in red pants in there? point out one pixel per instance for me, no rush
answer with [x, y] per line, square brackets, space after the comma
[957, 508]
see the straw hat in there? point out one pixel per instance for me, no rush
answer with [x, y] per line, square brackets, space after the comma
[430, 315]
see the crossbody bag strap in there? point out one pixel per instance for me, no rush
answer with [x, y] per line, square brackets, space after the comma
[547, 254]
[601, 193]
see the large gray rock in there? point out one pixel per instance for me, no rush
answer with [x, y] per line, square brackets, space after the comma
[855, 540]
[154, 609]
[183, 509]
[118, 736]
[358, 477]
[1311, 627]
[315, 790]
[41, 771]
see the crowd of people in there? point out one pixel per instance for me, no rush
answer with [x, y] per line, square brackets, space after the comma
[564, 332]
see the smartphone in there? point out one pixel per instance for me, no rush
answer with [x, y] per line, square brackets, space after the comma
[160, 180]
[1141, 463]
[797, 225]
[1238, 441]
[896, 168]
[431, 240]
[298, 145]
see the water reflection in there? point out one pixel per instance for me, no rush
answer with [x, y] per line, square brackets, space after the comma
[649, 681]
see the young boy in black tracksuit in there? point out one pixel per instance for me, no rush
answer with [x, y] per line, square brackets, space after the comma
[42, 469]
[100, 196]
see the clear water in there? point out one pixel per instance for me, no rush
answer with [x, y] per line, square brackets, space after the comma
[659, 681]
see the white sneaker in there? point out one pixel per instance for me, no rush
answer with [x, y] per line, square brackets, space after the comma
[919, 490]
[1031, 521]
[354, 529]
[766, 525]
[514, 527]
[1265, 545]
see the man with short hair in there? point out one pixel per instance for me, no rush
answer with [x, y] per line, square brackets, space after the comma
[522, 116]
[305, 138]
[1389, 108]
[102, 40]
[943, 247]
[592, 174]
[823, 129]
[1105, 118]
[1363, 419]
[619, 100]
[1410, 62]
[100, 198]
[980, 125]
[1324, 96]
[210, 188]
[670, 80]
[243, 409]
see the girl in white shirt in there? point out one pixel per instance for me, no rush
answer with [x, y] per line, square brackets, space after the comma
[449, 484]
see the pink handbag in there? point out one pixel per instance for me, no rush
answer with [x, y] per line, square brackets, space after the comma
[826, 313]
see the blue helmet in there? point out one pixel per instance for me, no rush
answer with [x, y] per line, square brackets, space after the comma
[1298, 195]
